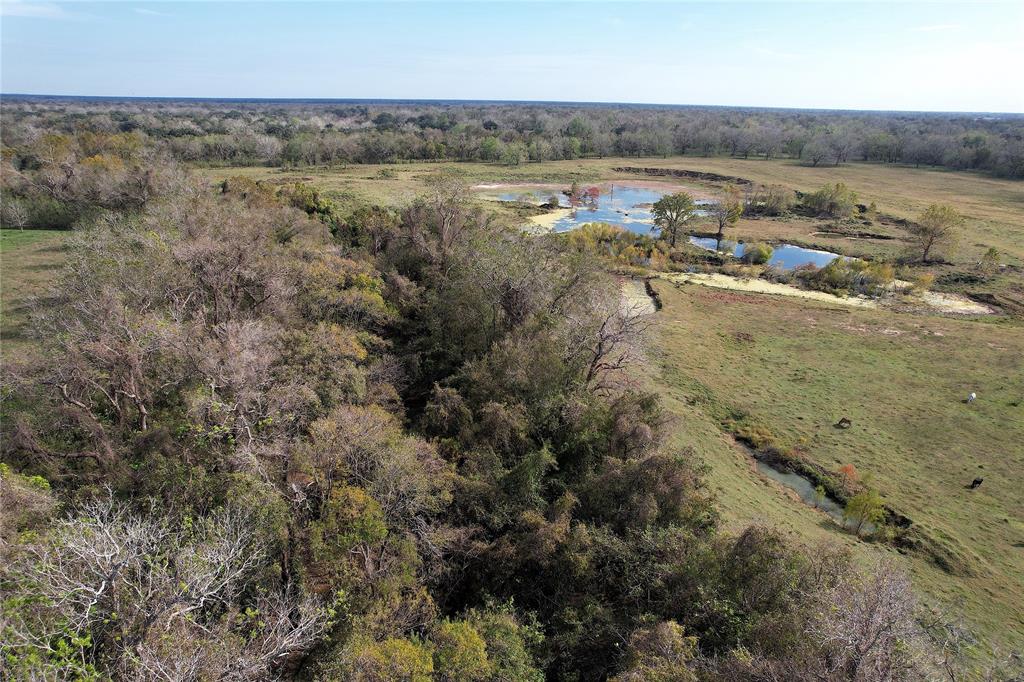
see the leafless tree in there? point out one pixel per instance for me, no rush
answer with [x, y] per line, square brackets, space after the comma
[129, 581]
[14, 213]
[866, 628]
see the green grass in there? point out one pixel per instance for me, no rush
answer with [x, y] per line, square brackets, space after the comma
[12, 240]
[798, 366]
[29, 262]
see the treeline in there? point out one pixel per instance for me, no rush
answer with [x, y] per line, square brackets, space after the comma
[229, 133]
[262, 441]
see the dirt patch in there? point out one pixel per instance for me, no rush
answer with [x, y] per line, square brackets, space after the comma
[955, 304]
[682, 173]
[760, 286]
[852, 234]
[636, 299]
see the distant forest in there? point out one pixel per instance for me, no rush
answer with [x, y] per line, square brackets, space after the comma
[252, 132]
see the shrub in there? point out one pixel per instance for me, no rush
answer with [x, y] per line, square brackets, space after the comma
[849, 275]
[461, 653]
[990, 261]
[923, 282]
[768, 200]
[758, 253]
[836, 200]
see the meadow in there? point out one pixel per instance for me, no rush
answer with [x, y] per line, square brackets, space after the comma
[795, 367]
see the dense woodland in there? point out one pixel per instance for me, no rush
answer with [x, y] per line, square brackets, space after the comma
[297, 134]
[261, 440]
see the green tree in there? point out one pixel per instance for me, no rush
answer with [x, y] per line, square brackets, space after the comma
[671, 212]
[460, 653]
[863, 508]
[491, 149]
[938, 227]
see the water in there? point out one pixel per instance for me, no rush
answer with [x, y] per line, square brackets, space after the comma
[805, 489]
[785, 256]
[629, 206]
[623, 205]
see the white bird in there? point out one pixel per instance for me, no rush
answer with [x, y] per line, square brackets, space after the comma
[971, 397]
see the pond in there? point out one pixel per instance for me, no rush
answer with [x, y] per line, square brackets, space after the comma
[806, 490]
[802, 487]
[627, 206]
[784, 257]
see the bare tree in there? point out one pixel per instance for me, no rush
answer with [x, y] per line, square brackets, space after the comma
[865, 626]
[14, 213]
[119, 583]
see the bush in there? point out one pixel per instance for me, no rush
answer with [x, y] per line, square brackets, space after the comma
[758, 253]
[923, 282]
[836, 201]
[768, 200]
[849, 275]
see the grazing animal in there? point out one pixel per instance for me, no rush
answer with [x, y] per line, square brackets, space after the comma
[976, 482]
[971, 397]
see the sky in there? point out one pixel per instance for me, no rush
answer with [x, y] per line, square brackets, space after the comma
[916, 56]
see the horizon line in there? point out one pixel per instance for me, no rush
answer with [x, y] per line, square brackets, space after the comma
[460, 101]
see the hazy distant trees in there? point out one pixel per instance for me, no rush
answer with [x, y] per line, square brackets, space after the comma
[313, 134]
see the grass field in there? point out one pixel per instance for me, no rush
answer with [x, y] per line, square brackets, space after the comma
[797, 366]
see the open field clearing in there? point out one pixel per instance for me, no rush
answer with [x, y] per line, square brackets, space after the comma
[29, 262]
[797, 366]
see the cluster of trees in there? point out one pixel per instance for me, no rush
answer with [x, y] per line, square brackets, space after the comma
[296, 134]
[260, 440]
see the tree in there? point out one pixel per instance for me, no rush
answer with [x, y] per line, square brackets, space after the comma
[938, 227]
[863, 508]
[849, 476]
[151, 595]
[865, 628]
[514, 154]
[726, 211]
[816, 151]
[671, 212]
[14, 213]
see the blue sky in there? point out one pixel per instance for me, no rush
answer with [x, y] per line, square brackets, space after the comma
[913, 56]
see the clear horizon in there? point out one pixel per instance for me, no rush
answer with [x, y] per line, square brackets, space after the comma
[914, 57]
